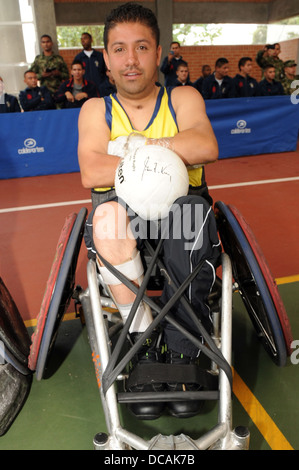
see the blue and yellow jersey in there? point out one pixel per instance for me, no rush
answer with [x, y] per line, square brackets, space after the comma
[162, 124]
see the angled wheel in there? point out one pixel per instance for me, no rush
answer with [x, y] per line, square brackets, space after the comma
[58, 291]
[256, 284]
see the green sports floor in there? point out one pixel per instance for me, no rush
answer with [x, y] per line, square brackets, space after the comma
[64, 412]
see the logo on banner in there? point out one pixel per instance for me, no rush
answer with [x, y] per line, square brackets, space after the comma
[241, 128]
[30, 146]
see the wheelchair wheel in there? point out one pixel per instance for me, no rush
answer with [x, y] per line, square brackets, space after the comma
[256, 285]
[58, 293]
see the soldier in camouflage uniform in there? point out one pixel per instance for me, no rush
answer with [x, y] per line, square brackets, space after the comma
[289, 77]
[50, 68]
[269, 56]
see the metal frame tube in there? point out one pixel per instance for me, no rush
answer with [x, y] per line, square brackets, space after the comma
[112, 414]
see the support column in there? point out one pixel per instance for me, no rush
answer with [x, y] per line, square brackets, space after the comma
[164, 12]
[45, 20]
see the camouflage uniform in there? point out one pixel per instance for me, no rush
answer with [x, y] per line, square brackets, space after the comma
[277, 63]
[287, 82]
[52, 62]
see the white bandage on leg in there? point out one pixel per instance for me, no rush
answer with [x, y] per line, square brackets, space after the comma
[133, 270]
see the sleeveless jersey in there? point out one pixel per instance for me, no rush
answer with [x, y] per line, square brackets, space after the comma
[162, 124]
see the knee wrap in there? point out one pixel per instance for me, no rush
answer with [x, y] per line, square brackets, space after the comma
[132, 269]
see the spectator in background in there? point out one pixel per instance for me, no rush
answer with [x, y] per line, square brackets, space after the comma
[182, 73]
[93, 61]
[269, 86]
[108, 85]
[8, 103]
[219, 84]
[245, 85]
[50, 68]
[206, 71]
[74, 92]
[269, 56]
[289, 77]
[170, 64]
[35, 98]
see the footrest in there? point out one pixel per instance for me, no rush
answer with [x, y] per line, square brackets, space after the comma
[145, 397]
[172, 373]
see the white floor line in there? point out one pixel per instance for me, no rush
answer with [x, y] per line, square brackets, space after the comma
[86, 201]
[44, 206]
[252, 183]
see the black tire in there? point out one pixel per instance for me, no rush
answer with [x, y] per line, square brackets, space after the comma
[252, 282]
[59, 292]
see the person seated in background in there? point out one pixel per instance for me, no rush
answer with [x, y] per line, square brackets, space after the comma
[206, 71]
[269, 86]
[35, 98]
[108, 85]
[219, 84]
[289, 77]
[245, 85]
[182, 75]
[8, 103]
[74, 92]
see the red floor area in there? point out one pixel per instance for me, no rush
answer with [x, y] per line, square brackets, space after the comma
[28, 238]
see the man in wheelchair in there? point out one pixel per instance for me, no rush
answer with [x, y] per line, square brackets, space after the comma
[127, 130]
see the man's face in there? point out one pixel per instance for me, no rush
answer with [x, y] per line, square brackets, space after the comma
[176, 49]
[31, 80]
[133, 56]
[247, 67]
[222, 71]
[271, 52]
[77, 72]
[206, 71]
[86, 41]
[46, 44]
[182, 74]
[290, 71]
[270, 73]
[277, 50]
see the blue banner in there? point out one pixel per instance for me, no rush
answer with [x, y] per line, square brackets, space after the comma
[45, 142]
[253, 126]
[39, 143]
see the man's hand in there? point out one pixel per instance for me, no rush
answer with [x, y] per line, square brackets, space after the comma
[81, 96]
[125, 146]
[69, 96]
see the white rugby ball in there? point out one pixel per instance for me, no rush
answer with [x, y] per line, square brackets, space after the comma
[150, 180]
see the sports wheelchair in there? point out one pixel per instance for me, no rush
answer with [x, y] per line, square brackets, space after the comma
[243, 269]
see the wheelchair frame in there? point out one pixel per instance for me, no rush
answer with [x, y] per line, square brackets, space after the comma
[243, 269]
[222, 436]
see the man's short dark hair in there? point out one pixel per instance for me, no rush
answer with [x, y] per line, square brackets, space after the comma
[182, 63]
[46, 36]
[243, 61]
[268, 66]
[221, 61]
[28, 71]
[131, 13]
[87, 34]
[78, 62]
